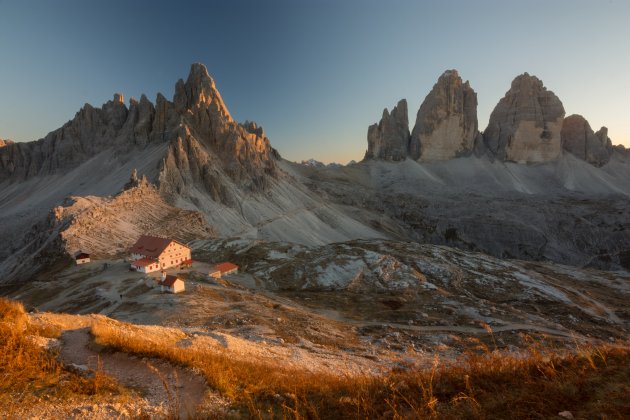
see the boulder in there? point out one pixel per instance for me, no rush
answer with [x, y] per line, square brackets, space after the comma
[446, 123]
[526, 123]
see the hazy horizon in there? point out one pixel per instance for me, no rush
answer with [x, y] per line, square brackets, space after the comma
[315, 75]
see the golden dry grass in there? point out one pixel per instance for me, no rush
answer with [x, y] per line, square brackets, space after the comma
[591, 383]
[27, 371]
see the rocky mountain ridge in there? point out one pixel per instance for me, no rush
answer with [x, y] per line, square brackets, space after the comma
[526, 126]
[193, 152]
[317, 164]
[198, 159]
[197, 114]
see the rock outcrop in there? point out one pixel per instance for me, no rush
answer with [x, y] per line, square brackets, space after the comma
[110, 225]
[579, 139]
[208, 146]
[5, 142]
[446, 123]
[389, 139]
[526, 123]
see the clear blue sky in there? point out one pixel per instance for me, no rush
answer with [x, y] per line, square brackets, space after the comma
[313, 73]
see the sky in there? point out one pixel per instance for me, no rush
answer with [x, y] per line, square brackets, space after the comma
[315, 74]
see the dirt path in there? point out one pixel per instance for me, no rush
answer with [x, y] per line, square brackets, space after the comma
[336, 316]
[183, 392]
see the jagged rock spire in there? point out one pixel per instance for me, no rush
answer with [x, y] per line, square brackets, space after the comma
[446, 123]
[579, 139]
[196, 119]
[199, 90]
[389, 138]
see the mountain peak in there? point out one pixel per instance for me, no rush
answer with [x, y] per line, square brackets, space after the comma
[526, 123]
[446, 123]
[388, 139]
[452, 73]
[529, 82]
[199, 90]
[199, 71]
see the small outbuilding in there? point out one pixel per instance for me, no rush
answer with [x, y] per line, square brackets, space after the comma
[214, 273]
[82, 258]
[172, 284]
[226, 268]
[145, 265]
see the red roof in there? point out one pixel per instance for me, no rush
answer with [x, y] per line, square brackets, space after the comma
[143, 262]
[226, 266]
[151, 246]
[82, 256]
[169, 280]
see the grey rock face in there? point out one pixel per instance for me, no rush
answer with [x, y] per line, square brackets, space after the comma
[446, 123]
[197, 126]
[579, 139]
[526, 123]
[91, 131]
[253, 128]
[389, 138]
[602, 135]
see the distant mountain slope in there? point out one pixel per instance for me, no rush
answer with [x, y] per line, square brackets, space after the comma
[566, 211]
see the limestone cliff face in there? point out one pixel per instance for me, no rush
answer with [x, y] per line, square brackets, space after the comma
[91, 131]
[446, 123]
[389, 139]
[579, 139]
[208, 146]
[526, 123]
[202, 139]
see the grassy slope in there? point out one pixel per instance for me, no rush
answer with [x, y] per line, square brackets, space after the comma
[591, 383]
[28, 372]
